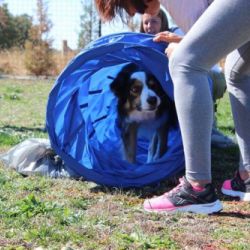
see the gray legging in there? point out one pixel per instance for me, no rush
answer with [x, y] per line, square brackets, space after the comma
[224, 27]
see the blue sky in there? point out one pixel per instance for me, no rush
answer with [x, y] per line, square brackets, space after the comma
[65, 16]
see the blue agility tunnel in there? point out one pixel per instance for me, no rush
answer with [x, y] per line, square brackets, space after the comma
[82, 113]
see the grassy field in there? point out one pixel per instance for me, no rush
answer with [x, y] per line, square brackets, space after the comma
[69, 214]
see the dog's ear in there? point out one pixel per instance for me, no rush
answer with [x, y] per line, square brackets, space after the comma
[120, 83]
[129, 69]
[117, 85]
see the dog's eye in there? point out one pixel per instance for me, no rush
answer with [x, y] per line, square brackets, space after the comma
[135, 89]
[152, 84]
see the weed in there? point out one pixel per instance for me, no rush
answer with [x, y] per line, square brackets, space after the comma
[141, 241]
[29, 207]
[8, 140]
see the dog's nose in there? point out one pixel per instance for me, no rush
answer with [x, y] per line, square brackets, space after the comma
[152, 100]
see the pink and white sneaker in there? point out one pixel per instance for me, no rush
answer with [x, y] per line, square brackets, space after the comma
[184, 198]
[236, 187]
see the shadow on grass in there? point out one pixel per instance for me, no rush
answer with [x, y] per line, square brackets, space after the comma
[224, 164]
[234, 214]
[24, 129]
[12, 135]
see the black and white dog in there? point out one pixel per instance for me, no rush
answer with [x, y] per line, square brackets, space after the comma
[142, 102]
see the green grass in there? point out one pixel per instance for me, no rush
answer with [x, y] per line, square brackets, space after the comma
[56, 213]
[22, 109]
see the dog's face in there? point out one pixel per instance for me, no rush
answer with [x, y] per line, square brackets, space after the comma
[140, 95]
[142, 99]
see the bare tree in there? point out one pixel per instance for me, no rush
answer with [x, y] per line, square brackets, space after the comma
[44, 23]
[90, 24]
[3, 17]
[38, 48]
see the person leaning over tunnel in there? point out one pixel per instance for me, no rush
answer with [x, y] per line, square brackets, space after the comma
[212, 37]
[159, 23]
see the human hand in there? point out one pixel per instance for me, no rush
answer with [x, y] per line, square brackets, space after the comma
[169, 50]
[168, 37]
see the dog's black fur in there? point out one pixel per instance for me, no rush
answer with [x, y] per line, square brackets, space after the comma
[142, 102]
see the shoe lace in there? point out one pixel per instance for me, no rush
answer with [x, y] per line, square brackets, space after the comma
[176, 189]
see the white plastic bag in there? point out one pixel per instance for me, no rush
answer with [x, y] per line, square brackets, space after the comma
[35, 156]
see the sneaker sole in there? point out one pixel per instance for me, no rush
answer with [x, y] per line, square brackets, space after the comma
[208, 208]
[241, 195]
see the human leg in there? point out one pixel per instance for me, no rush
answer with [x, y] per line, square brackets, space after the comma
[212, 37]
[218, 139]
[237, 70]
[203, 46]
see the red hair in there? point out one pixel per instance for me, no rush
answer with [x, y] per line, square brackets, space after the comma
[108, 9]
